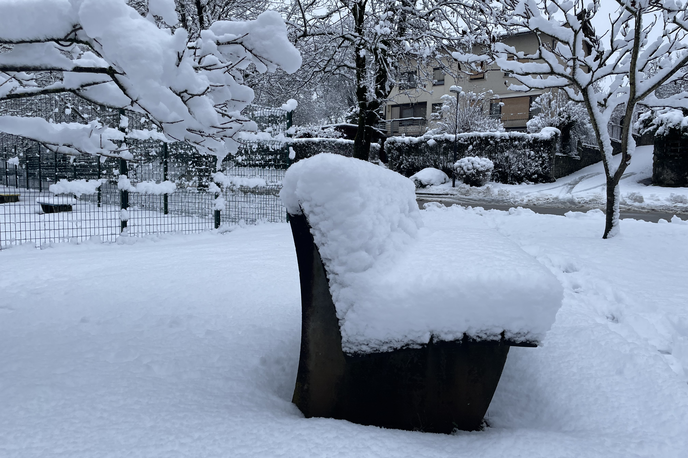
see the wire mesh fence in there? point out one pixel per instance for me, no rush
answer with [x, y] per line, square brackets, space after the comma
[31, 213]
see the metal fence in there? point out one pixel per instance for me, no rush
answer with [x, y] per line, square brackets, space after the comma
[30, 213]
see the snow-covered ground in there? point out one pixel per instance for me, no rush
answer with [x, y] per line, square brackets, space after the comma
[187, 345]
[584, 189]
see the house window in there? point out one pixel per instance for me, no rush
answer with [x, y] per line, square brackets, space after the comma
[408, 119]
[495, 109]
[415, 110]
[480, 75]
[408, 80]
[516, 109]
[437, 77]
[534, 111]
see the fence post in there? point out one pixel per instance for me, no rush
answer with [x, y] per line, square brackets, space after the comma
[165, 197]
[290, 120]
[40, 171]
[99, 193]
[217, 213]
[123, 194]
[123, 170]
[217, 218]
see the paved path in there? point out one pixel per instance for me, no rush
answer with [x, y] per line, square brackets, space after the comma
[651, 216]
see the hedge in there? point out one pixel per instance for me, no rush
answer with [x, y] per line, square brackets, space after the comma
[518, 157]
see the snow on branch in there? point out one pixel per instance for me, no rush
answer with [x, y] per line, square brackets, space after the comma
[105, 52]
[635, 50]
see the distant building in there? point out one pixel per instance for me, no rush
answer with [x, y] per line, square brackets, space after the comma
[412, 106]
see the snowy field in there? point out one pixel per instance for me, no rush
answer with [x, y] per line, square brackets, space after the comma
[584, 189]
[187, 345]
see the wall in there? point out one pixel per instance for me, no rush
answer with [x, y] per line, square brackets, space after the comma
[670, 161]
[565, 165]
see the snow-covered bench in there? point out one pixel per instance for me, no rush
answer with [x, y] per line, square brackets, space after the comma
[8, 198]
[408, 316]
[56, 204]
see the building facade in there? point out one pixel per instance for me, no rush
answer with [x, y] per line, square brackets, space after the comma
[413, 103]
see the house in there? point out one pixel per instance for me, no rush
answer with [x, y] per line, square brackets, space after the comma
[413, 103]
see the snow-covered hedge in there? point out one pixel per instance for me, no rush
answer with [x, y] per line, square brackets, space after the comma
[663, 122]
[474, 171]
[275, 153]
[308, 147]
[670, 129]
[517, 156]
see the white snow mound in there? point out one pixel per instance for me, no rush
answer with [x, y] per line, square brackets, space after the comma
[401, 277]
[430, 176]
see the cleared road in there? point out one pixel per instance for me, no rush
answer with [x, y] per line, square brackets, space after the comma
[651, 216]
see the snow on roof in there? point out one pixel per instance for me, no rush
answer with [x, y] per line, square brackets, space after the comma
[401, 277]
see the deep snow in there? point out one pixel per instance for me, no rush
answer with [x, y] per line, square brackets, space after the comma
[188, 346]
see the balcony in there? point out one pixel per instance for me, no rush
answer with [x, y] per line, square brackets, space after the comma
[413, 127]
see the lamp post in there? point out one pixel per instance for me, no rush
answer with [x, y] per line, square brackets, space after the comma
[457, 90]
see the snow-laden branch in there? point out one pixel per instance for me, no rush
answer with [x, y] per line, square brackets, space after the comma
[107, 53]
[74, 138]
[612, 70]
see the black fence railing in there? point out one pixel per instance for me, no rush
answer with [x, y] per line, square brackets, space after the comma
[31, 213]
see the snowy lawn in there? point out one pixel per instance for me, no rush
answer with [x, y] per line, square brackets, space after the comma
[188, 346]
[582, 189]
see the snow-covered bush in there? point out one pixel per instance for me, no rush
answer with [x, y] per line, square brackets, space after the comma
[555, 109]
[662, 121]
[474, 171]
[429, 176]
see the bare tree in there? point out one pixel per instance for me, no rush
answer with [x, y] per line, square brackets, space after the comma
[643, 46]
[368, 40]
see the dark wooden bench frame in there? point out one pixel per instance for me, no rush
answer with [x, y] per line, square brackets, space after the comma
[9, 198]
[439, 387]
[55, 208]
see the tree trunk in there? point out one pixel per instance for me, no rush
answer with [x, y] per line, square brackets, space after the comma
[362, 139]
[200, 11]
[361, 146]
[611, 227]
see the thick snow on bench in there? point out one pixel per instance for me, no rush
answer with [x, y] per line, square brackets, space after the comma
[401, 277]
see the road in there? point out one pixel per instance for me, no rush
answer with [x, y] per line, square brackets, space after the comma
[651, 216]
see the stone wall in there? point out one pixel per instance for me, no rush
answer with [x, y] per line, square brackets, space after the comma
[670, 161]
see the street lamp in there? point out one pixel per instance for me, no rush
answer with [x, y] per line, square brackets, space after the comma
[457, 90]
